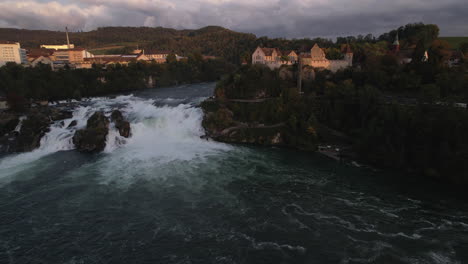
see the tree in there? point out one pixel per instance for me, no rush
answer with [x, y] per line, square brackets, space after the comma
[464, 49]
[439, 52]
[171, 58]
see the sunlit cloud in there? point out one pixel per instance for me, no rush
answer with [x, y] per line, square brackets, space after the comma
[286, 18]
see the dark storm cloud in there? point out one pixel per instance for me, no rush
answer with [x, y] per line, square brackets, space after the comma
[275, 18]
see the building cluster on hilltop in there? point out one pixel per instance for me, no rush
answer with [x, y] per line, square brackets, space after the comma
[275, 58]
[59, 56]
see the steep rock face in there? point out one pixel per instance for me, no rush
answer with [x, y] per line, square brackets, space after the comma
[73, 124]
[121, 124]
[32, 130]
[22, 135]
[93, 137]
[8, 122]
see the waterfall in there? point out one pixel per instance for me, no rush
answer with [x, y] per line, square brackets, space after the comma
[164, 133]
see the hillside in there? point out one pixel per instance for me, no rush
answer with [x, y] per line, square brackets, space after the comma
[455, 42]
[212, 40]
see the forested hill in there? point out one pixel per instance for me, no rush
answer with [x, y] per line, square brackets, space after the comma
[212, 40]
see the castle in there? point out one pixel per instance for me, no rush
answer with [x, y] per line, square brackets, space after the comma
[274, 58]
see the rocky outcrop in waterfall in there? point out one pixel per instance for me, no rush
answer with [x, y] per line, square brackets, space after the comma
[93, 137]
[22, 132]
[120, 123]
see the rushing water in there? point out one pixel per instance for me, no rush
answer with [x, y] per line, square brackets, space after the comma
[167, 196]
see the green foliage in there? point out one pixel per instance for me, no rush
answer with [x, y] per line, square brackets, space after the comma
[334, 54]
[41, 83]
[455, 42]
[401, 116]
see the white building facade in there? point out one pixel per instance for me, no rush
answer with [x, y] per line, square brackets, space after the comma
[12, 52]
[59, 47]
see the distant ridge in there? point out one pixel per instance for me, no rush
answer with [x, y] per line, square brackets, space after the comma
[210, 40]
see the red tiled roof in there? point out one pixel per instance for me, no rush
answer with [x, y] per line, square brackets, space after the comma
[40, 52]
[268, 51]
[7, 42]
[286, 52]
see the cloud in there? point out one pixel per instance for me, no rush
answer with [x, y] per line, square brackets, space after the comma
[277, 18]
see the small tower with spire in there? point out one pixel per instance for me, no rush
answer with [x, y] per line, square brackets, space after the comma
[396, 44]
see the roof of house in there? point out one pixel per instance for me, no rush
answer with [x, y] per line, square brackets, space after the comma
[269, 51]
[39, 57]
[317, 52]
[113, 58]
[157, 52]
[8, 42]
[40, 52]
[287, 52]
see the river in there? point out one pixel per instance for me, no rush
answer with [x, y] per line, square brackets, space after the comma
[167, 196]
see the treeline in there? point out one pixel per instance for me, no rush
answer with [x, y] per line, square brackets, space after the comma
[20, 83]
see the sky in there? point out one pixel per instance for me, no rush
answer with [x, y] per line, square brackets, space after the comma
[273, 18]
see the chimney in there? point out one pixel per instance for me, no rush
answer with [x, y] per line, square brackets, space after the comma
[68, 40]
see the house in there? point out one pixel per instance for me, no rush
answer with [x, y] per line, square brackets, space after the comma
[36, 53]
[159, 56]
[111, 60]
[76, 55]
[12, 52]
[318, 59]
[273, 57]
[405, 55]
[291, 56]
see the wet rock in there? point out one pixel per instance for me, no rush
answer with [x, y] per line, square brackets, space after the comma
[58, 114]
[73, 124]
[93, 137]
[28, 138]
[8, 122]
[116, 116]
[62, 124]
[121, 124]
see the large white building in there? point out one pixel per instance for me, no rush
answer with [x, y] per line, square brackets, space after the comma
[12, 52]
